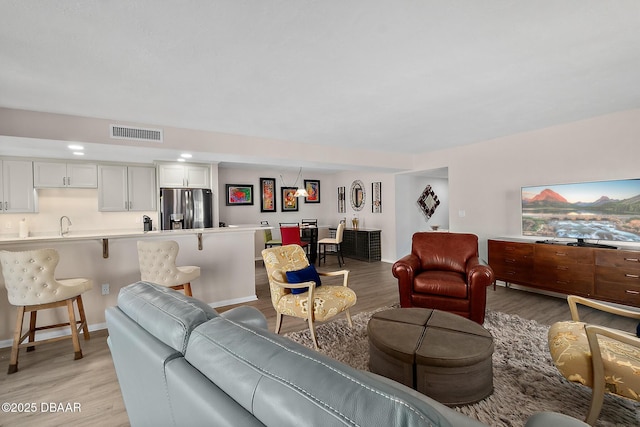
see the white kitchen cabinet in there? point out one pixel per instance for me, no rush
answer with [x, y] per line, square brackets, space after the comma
[126, 188]
[64, 175]
[17, 186]
[183, 175]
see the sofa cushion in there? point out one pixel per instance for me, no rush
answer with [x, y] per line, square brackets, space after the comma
[307, 274]
[442, 283]
[282, 383]
[168, 315]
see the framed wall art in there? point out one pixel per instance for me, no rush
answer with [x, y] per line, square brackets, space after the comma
[289, 199]
[268, 191]
[313, 190]
[239, 194]
[376, 197]
[341, 200]
[428, 202]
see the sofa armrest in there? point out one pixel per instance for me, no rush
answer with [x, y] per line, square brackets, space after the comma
[405, 270]
[246, 315]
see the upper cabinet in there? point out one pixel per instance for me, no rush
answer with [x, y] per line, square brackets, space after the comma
[183, 175]
[16, 186]
[69, 175]
[126, 188]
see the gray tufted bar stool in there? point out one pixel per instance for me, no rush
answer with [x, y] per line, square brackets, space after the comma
[29, 277]
[158, 265]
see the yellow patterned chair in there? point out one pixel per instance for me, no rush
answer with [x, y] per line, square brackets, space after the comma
[605, 359]
[326, 300]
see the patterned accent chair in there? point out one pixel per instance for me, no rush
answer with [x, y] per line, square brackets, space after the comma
[327, 300]
[604, 359]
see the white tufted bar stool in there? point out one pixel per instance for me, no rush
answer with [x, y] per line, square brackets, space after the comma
[158, 265]
[31, 286]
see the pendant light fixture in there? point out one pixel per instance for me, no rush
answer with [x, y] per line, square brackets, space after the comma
[301, 191]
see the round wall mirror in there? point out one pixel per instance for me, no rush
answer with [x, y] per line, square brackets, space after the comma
[357, 195]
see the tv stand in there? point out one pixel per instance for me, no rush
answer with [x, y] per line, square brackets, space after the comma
[589, 271]
[581, 243]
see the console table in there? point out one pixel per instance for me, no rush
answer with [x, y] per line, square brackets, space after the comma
[361, 243]
[606, 274]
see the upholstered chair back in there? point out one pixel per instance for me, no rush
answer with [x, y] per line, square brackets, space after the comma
[29, 277]
[444, 251]
[158, 262]
[340, 232]
[278, 261]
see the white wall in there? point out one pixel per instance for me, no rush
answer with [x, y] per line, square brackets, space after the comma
[326, 211]
[485, 178]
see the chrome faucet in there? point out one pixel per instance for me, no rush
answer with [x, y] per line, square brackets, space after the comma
[62, 233]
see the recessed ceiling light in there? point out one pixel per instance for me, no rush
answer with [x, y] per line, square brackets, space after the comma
[186, 155]
[181, 160]
[78, 153]
[75, 147]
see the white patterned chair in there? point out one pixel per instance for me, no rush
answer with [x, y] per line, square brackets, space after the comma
[29, 277]
[327, 300]
[604, 359]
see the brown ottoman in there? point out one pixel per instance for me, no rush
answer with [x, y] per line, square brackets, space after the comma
[442, 355]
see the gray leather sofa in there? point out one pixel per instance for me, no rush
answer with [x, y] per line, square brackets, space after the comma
[181, 363]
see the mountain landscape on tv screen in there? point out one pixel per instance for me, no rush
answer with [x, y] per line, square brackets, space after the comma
[550, 214]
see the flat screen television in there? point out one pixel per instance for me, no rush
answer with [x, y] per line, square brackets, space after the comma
[595, 211]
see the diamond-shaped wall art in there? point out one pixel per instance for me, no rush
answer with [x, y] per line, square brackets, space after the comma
[428, 202]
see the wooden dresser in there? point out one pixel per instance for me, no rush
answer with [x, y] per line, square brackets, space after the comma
[605, 274]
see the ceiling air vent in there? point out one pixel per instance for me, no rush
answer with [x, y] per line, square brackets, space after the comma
[138, 134]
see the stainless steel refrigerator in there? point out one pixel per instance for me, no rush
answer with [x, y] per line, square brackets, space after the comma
[185, 208]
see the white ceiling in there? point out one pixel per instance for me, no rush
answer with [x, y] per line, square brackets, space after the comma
[398, 75]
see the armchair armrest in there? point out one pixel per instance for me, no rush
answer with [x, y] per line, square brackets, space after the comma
[310, 284]
[344, 273]
[574, 300]
[592, 331]
[479, 273]
[405, 269]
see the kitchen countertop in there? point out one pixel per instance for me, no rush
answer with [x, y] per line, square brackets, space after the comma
[120, 234]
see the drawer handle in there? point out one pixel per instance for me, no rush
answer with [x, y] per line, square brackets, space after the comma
[562, 282]
[561, 253]
[631, 259]
[632, 276]
[629, 291]
[511, 260]
[562, 267]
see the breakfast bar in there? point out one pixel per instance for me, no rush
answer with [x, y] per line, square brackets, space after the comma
[225, 256]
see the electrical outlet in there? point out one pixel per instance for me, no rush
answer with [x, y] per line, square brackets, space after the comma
[105, 289]
[7, 224]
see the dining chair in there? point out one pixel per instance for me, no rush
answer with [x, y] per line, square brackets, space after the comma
[29, 277]
[309, 222]
[291, 236]
[289, 224]
[332, 241]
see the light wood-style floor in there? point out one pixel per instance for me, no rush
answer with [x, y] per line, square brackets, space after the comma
[50, 375]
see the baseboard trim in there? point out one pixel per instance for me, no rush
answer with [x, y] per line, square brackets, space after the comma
[233, 301]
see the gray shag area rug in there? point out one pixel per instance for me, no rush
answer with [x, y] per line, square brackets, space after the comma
[525, 379]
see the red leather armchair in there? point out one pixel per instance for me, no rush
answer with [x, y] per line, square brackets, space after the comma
[444, 272]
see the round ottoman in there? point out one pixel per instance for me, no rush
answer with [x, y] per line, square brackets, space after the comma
[443, 355]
